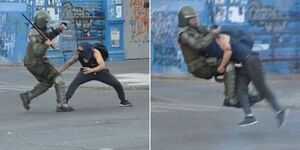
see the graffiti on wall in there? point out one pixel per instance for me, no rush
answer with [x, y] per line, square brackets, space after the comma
[277, 19]
[79, 15]
[267, 16]
[164, 32]
[84, 19]
[139, 21]
[7, 36]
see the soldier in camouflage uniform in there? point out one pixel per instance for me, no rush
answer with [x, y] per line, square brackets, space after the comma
[226, 47]
[40, 67]
[194, 40]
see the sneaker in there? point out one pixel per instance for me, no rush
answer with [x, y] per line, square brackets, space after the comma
[281, 116]
[25, 100]
[63, 108]
[249, 120]
[125, 103]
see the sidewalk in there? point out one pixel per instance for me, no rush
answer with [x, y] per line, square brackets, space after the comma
[133, 74]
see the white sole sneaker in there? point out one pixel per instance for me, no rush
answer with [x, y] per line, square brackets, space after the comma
[127, 105]
[249, 124]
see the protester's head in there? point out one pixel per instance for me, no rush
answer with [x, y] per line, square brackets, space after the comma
[187, 16]
[85, 50]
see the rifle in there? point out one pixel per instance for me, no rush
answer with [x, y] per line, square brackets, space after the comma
[37, 29]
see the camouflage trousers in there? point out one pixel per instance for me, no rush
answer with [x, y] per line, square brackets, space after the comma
[47, 75]
[230, 89]
[207, 68]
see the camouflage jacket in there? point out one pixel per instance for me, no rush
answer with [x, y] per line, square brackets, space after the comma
[194, 39]
[36, 47]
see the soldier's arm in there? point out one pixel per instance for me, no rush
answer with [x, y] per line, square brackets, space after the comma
[51, 35]
[197, 42]
[69, 63]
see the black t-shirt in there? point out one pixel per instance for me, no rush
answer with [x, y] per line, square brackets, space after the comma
[91, 62]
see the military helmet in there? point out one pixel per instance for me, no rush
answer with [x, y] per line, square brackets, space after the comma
[185, 13]
[41, 18]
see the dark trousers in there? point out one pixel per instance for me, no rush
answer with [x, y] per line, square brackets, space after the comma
[103, 76]
[252, 71]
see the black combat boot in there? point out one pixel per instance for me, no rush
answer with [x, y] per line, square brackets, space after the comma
[25, 100]
[64, 108]
[125, 103]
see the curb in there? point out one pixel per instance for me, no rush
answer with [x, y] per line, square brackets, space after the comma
[173, 76]
[109, 88]
[191, 77]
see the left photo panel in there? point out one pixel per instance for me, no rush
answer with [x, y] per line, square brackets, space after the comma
[74, 74]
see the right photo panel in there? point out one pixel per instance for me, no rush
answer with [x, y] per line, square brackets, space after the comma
[225, 74]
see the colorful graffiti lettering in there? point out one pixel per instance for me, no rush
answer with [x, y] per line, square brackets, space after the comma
[139, 21]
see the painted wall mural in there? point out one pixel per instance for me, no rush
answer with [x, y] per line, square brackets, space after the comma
[166, 49]
[139, 22]
[9, 28]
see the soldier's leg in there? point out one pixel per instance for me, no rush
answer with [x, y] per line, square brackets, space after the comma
[229, 84]
[43, 84]
[39, 89]
[59, 86]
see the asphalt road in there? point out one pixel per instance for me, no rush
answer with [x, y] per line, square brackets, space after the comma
[187, 115]
[98, 123]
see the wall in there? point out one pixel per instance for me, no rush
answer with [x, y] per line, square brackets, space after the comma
[13, 31]
[136, 29]
[274, 24]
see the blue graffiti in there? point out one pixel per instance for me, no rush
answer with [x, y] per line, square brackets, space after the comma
[267, 16]
[166, 49]
[3, 51]
[7, 36]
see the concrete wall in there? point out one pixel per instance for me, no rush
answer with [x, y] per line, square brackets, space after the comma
[273, 23]
[13, 31]
[136, 29]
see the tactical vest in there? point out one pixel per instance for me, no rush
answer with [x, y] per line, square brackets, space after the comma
[198, 63]
[36, 47]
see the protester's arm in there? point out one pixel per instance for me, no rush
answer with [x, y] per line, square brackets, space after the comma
[100, 61]
[224, 42]
[69, 63]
